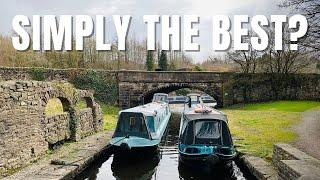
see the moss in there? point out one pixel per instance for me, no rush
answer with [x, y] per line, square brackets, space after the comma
[11, 171]
[81, 104]
[37, 74]
[69, 89]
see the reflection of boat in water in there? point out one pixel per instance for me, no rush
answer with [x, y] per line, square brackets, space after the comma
[205, 137]
[142, 126]
[135, 167]
[196, 172]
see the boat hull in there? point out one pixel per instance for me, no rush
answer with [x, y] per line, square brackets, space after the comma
[202, 160]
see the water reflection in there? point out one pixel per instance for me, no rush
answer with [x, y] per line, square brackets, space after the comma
[134, 167]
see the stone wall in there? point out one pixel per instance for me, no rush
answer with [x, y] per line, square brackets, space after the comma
[26, 132]
[135, 87]
[18, 73]
[268, 87]
[86, 122]
[293, 164]
[57, 128]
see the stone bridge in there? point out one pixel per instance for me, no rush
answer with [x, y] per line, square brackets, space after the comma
[138, 87]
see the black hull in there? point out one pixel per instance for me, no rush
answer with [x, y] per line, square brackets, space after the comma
[212, 161]
[134, 153]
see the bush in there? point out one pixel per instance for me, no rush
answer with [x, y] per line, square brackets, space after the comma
[37, 74]
[106, 88]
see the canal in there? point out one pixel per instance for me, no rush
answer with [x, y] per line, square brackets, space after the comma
[160, 165]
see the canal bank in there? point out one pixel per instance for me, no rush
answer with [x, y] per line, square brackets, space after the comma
[70, 159]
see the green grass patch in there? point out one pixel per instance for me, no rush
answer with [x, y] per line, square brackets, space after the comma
[288, 106]
[81, 104]
[110, 116]
[54, 107]
[256, 127]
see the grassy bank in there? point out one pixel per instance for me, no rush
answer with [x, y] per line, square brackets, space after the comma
[110, 116]
[257, 127]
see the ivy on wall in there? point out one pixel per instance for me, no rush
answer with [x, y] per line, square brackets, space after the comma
[105, 87]
[37, 74]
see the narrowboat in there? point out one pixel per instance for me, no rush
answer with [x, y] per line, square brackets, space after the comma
[141, 127]
[193, 100]
[208, 101]
[205, 137]
[160, 97]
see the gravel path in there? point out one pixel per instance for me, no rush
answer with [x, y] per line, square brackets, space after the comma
[309, 133]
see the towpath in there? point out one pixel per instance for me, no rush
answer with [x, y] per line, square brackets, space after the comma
[81, 153]
[309, 133]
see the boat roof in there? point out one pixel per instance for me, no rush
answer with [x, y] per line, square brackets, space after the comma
[193, 94]
[215, 114]
[160, 94]
[147, 109]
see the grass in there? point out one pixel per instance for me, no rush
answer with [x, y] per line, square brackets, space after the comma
[110, 113]
[110, 116]
[288, 106]
[54, 107]
[256, 127]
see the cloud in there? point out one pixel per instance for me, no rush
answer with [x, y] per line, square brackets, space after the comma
[137, 8]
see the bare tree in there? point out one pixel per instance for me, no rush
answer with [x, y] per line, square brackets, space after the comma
[310, 9]
[284, 61]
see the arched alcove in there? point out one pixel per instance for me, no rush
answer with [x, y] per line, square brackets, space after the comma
[57, 105]
[57, 121]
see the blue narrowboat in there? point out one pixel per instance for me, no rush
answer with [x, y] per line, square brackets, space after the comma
[205, 137]
[142, 126]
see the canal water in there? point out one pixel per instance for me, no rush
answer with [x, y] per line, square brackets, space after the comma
[160, 165]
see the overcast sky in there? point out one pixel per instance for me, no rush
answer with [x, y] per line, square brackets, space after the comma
[137, 8]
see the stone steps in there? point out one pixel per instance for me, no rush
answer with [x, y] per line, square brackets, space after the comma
[293, 163]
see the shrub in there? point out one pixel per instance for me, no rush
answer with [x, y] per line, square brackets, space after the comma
[37, 74]
[106, 88]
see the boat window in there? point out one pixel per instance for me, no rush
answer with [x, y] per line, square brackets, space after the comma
[150, 122]
[207, 129]
[187, 136]
[160, 98]
[131, 124]
[207, 132]
[227, 140]
[208, 101]
[194, 99]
